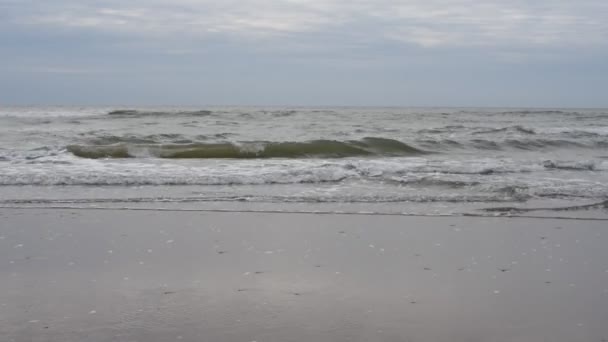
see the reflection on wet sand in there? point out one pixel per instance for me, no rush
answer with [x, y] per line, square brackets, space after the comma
[79, 275]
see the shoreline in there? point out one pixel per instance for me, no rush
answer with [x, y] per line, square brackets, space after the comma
[500, 214]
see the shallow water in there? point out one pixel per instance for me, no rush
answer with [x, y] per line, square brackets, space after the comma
[420, 160]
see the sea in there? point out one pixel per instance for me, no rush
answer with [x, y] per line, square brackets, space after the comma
[324, 160]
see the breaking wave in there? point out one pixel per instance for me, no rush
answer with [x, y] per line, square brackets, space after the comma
[572, 166]
[598, 205]
[311, 149]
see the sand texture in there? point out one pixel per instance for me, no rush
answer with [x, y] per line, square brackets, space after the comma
[86, 275]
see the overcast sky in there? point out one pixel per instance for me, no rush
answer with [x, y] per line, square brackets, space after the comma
[539, 53]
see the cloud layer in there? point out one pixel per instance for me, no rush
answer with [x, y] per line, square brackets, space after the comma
[423, 23]
[529, 52]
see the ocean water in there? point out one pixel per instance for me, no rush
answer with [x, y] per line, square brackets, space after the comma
[427, 161]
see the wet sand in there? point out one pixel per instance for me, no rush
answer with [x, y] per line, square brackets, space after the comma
[85, 275]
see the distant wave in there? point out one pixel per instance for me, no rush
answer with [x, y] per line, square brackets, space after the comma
[518, 144]
[369, 146]
[444, 129]
[541, 111]
[162, 138]
[204, 112]
[517, 128]
[140, 113]
[477, 130]
[281, 113]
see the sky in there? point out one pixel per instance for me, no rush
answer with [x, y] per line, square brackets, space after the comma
[500, 53]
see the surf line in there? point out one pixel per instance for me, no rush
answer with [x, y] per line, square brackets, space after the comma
[311, 212]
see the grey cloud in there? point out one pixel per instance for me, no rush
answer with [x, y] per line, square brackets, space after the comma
[418, 22]
[380, 52]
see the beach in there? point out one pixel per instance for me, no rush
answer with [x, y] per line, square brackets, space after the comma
[154, 276]
[303, 171]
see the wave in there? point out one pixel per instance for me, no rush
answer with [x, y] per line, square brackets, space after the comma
[280, 113]
[369, 146]
[537, 112]
[161, 138]
[271, 199]
[138, 113]
[518, 144]
[599, 205]
[572, 166]
[434, 182]
[517, 128]
[167, 139]
[534, 144]
[444, 129]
